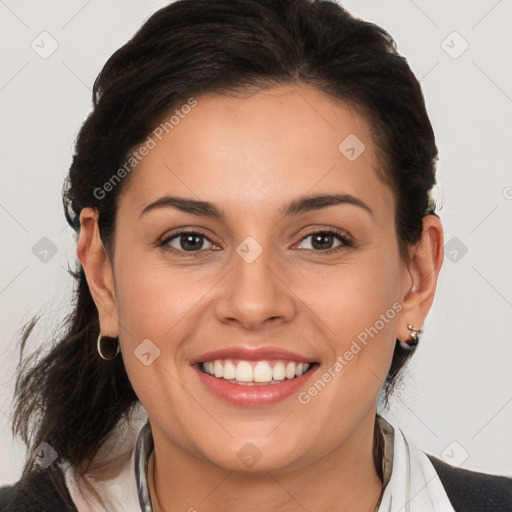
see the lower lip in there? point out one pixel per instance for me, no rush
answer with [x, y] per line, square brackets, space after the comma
[257, 395]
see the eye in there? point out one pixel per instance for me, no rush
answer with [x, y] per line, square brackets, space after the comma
[193, 242]
[186, 241]
[322, 241]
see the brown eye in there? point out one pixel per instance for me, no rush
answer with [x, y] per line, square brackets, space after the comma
[322, 241]
[186, 242]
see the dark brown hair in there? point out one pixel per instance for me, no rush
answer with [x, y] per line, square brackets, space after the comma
[71, 398]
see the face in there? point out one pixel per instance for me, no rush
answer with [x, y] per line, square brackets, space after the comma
[271, 286]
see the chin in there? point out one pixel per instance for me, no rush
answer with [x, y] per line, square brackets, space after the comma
[257, 454]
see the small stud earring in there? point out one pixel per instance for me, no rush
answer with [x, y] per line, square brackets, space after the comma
[410, 345]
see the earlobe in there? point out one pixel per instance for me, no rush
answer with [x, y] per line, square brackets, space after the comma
[98, 271]
[424, 267]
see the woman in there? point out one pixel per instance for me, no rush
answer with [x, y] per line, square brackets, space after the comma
[258, 253]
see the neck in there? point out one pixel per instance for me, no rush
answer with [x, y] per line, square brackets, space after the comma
[343, 480]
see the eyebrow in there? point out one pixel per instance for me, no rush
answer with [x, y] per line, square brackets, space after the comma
[295, 207]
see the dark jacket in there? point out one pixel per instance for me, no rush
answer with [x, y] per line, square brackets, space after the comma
[468, 491]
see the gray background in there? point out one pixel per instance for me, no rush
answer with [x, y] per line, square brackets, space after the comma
[456, 401]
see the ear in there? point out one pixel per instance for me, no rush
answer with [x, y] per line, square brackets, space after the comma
[98, 271]
[424, 265]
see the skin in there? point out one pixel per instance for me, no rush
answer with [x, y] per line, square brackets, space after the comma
[251, 156]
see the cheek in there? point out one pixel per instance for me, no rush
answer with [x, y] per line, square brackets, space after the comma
[154, 298]
[358, 307]
[351, 298]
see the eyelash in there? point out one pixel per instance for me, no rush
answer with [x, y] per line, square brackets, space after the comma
[346, 242]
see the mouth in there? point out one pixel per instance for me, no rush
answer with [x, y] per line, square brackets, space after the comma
[253, 377]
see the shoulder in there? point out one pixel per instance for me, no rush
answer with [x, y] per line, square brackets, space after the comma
[470, 491]
[36, 492]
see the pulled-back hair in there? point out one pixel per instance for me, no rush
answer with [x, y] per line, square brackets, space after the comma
[70, 397]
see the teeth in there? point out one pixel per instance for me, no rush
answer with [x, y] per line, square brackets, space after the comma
[290, 370]
[229, 370]
[218, 369]
[278, 372]
[243, 372]
[261, 371]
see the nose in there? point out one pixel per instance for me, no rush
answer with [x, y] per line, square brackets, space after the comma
[255, 294]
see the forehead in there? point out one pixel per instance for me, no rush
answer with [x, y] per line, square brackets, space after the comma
[260, 150]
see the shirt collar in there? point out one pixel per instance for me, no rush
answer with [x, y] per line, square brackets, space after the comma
[143, 448]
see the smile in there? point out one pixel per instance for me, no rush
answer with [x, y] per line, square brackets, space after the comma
[253, 377]
[254, 372]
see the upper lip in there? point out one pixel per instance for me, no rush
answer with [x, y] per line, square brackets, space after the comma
[251, 354]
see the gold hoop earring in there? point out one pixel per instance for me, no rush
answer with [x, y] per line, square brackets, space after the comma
[107, 347]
